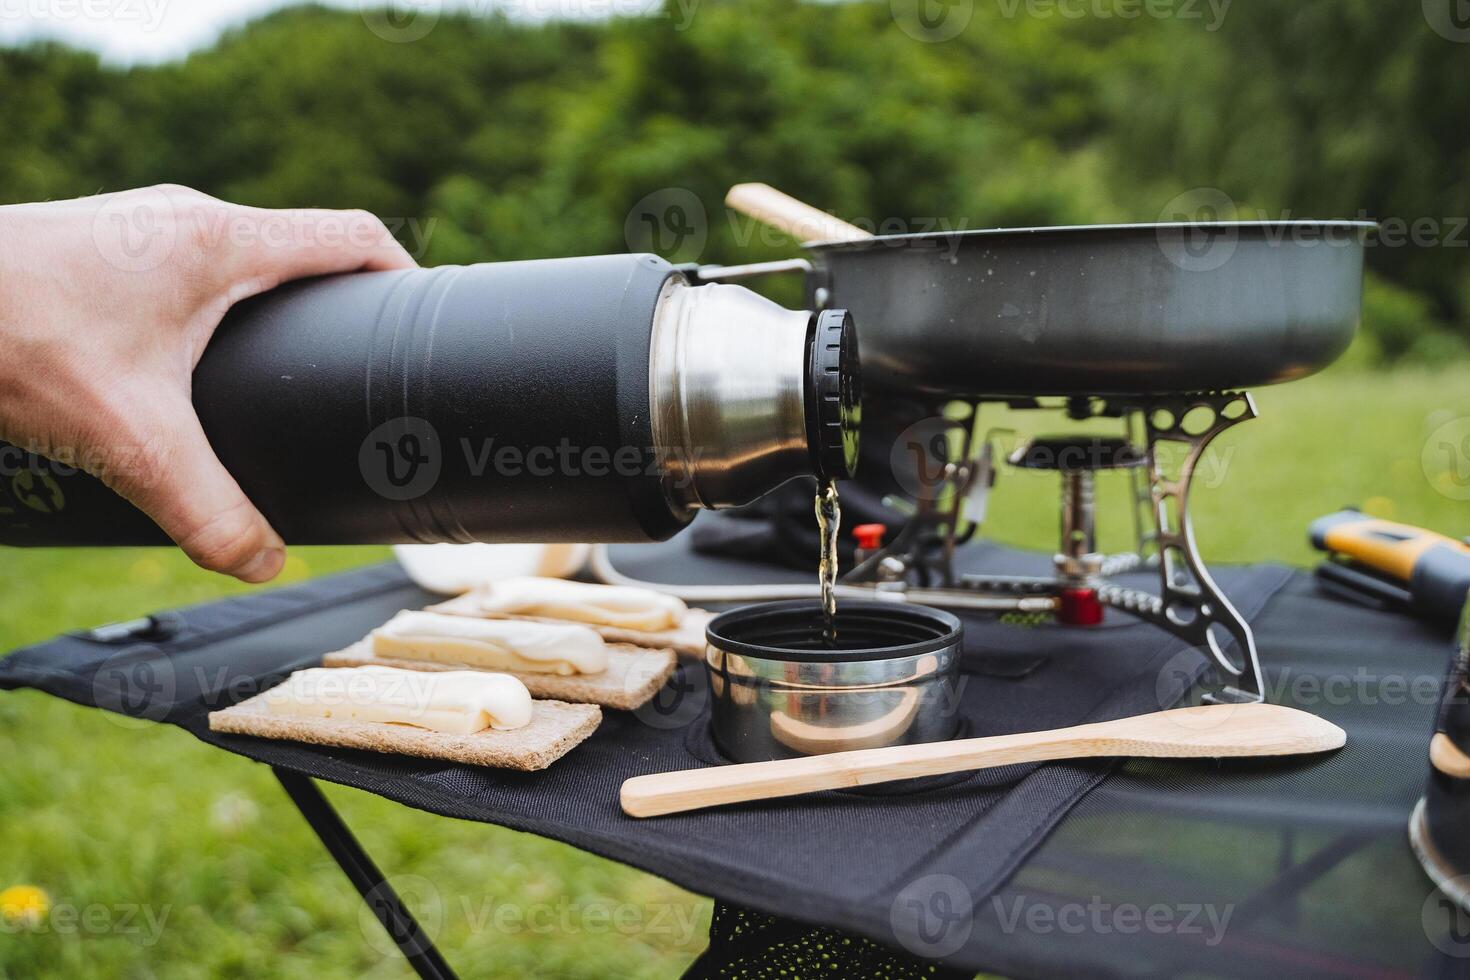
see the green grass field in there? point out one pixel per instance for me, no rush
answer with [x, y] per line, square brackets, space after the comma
[162, 857]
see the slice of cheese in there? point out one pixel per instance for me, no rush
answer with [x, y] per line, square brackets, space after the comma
[492, 644]
[458, 702]
[583, 602]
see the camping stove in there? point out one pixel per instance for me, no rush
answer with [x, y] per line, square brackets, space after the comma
[1157, 430]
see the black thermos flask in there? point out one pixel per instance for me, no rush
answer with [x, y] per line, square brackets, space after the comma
[583, 399]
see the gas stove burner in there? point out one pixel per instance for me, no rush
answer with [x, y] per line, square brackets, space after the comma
[1077, 458]
[1079, 565]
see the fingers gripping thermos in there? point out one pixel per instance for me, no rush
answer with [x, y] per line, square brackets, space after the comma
[584, 399]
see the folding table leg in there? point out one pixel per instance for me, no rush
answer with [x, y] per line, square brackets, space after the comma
[380, 897]
[1292, 881]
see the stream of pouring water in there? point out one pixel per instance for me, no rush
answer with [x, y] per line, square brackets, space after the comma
[829, 520]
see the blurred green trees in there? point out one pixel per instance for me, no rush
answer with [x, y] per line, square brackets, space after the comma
[488, 139]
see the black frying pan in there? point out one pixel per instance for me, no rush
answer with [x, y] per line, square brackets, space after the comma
[1097, 309]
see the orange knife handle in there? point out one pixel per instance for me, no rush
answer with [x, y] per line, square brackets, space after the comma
[1436, 568]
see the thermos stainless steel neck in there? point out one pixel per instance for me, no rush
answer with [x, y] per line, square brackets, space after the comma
[747, 394]
[586, 399]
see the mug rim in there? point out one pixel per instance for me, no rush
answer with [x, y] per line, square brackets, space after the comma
[926, 618]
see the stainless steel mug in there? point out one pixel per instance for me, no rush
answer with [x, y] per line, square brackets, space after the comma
[778, 692]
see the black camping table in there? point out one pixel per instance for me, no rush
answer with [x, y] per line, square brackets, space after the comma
[1239, 868]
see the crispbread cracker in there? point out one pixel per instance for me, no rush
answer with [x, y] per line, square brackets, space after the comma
[686, 639]
[632, 678]
[555, 729]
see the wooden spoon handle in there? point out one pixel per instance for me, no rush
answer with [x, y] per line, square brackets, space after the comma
[782, 211]
[695, 789]
[1224, 730]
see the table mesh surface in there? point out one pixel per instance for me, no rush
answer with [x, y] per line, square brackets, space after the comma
[1145, 869]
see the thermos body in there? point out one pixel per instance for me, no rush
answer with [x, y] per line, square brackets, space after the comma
[497, 402]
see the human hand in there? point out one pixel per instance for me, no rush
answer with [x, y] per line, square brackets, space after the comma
[106, 305]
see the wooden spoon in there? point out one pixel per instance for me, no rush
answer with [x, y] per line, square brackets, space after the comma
[783, 212]
[1208, 731]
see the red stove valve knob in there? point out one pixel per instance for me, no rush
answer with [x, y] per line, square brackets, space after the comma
[1079, 607]
[869, 536]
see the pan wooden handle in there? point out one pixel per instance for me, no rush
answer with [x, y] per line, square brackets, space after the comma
[1199, 732]
[782, 211]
